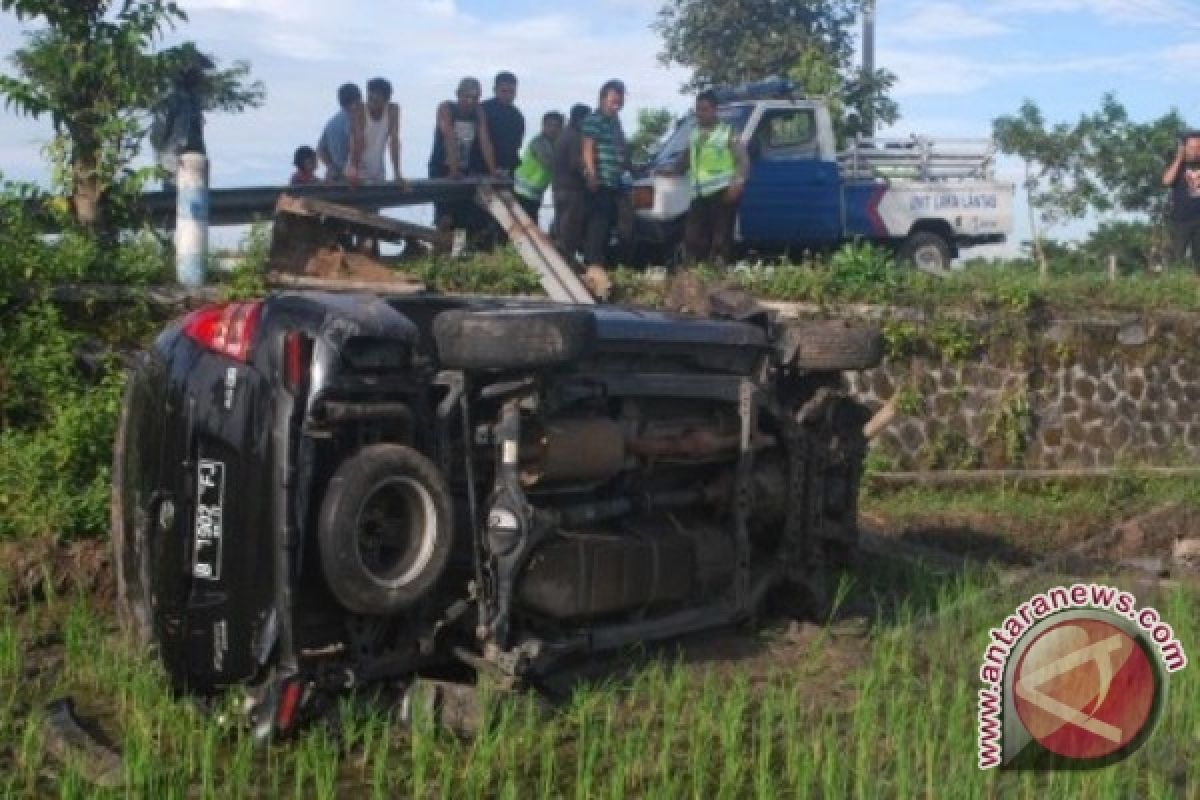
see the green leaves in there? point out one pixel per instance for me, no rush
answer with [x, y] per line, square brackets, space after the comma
[731, 42]
[653, 124]
[94, 70]
[1103, 162]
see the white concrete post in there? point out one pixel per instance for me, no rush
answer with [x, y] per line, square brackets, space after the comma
[191, 220]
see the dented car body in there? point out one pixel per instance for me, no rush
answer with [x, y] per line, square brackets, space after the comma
[317, 491]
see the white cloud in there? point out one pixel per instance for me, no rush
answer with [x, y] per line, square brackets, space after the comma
[923, 73]
[943, 22]
[304, 49]
[1113, 11]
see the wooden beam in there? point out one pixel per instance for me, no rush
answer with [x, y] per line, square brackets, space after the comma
[343, 284]
[377, 225]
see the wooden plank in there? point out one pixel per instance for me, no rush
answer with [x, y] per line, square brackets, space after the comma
[343, 284]
[558, 278]
[377, 225]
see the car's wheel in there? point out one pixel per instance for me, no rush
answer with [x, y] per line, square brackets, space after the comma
[512, 339]
[835, 346]
[130, 556]
[386, 530]
[927, 251]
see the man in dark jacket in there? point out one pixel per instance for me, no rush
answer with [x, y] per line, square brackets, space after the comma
[570, 189]
[506, 125]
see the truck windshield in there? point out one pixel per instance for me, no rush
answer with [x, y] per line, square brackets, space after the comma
[735, 115]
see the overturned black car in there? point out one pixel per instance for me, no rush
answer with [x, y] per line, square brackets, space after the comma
[318, 491]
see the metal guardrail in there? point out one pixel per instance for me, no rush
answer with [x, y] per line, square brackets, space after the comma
[245, 205]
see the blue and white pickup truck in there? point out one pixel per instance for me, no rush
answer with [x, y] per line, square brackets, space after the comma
[927, 199]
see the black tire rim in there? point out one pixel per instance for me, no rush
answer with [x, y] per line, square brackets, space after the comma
[396, 530]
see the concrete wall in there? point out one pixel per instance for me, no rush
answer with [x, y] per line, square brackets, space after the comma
[1038, 390]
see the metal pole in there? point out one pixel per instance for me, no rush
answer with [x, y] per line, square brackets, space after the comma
[191, 220]
[868, 60]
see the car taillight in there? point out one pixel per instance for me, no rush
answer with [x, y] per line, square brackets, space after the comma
[226, 329]
[643, 197]
[297, 361]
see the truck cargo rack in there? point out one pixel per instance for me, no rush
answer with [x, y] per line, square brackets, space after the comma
[919, 158]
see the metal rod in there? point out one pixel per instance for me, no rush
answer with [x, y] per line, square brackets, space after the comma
[868, 60]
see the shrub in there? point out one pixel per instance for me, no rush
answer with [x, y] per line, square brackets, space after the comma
[57, 420]
[56, 430]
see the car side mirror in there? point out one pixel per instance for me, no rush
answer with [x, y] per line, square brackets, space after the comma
[754, 149]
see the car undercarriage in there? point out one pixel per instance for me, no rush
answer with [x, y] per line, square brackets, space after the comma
[315, 492]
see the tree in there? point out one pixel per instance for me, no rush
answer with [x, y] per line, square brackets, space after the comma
[853, 97]
[653, 125]
[1104, 163]
[94, 71]
[731, 42]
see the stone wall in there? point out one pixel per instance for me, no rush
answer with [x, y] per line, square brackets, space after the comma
[1038, 390]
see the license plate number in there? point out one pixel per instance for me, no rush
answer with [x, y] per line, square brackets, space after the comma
[210, 504]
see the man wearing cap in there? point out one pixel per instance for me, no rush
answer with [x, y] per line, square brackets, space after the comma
[605, 159]
[1183, 179]
[717, 164]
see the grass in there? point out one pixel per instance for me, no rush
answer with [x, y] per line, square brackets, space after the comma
[1125, 494]
[898, 722]
[980, 287]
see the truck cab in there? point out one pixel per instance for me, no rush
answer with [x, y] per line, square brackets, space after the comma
[927, 199]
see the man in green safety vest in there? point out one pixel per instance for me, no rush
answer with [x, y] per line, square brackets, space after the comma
[717, 163]
[533, 177]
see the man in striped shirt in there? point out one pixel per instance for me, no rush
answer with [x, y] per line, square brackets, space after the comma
[605, 158]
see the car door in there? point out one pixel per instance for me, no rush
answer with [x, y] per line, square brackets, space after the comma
[793, 195]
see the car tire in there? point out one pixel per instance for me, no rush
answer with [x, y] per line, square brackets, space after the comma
[515, 339]
[835, 347]
[927, 251]
[386, 530]
[130, 558]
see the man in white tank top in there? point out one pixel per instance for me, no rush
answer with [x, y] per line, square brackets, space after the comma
[381, 132]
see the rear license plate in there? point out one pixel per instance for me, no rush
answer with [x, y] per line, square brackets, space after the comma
[210, 505]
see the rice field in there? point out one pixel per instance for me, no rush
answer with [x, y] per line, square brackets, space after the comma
[888, 712]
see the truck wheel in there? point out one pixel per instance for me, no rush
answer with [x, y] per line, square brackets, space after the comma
[927, 251]
[130, 558]
[386, 530]
[834, 347]
[514, 339]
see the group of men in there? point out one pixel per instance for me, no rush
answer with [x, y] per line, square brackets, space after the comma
[582, 158]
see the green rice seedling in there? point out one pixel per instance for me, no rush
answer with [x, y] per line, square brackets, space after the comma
[380, 760]
[765, 731]
[547, 760]
[731, 738]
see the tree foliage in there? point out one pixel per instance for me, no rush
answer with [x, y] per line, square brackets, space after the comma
[1103, 163]
[653, 125]
[93, 68]
[731, 42]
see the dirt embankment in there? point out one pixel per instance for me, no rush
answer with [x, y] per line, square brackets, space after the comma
[32, 570]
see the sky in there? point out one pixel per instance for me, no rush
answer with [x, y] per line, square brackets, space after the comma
[960, 64]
